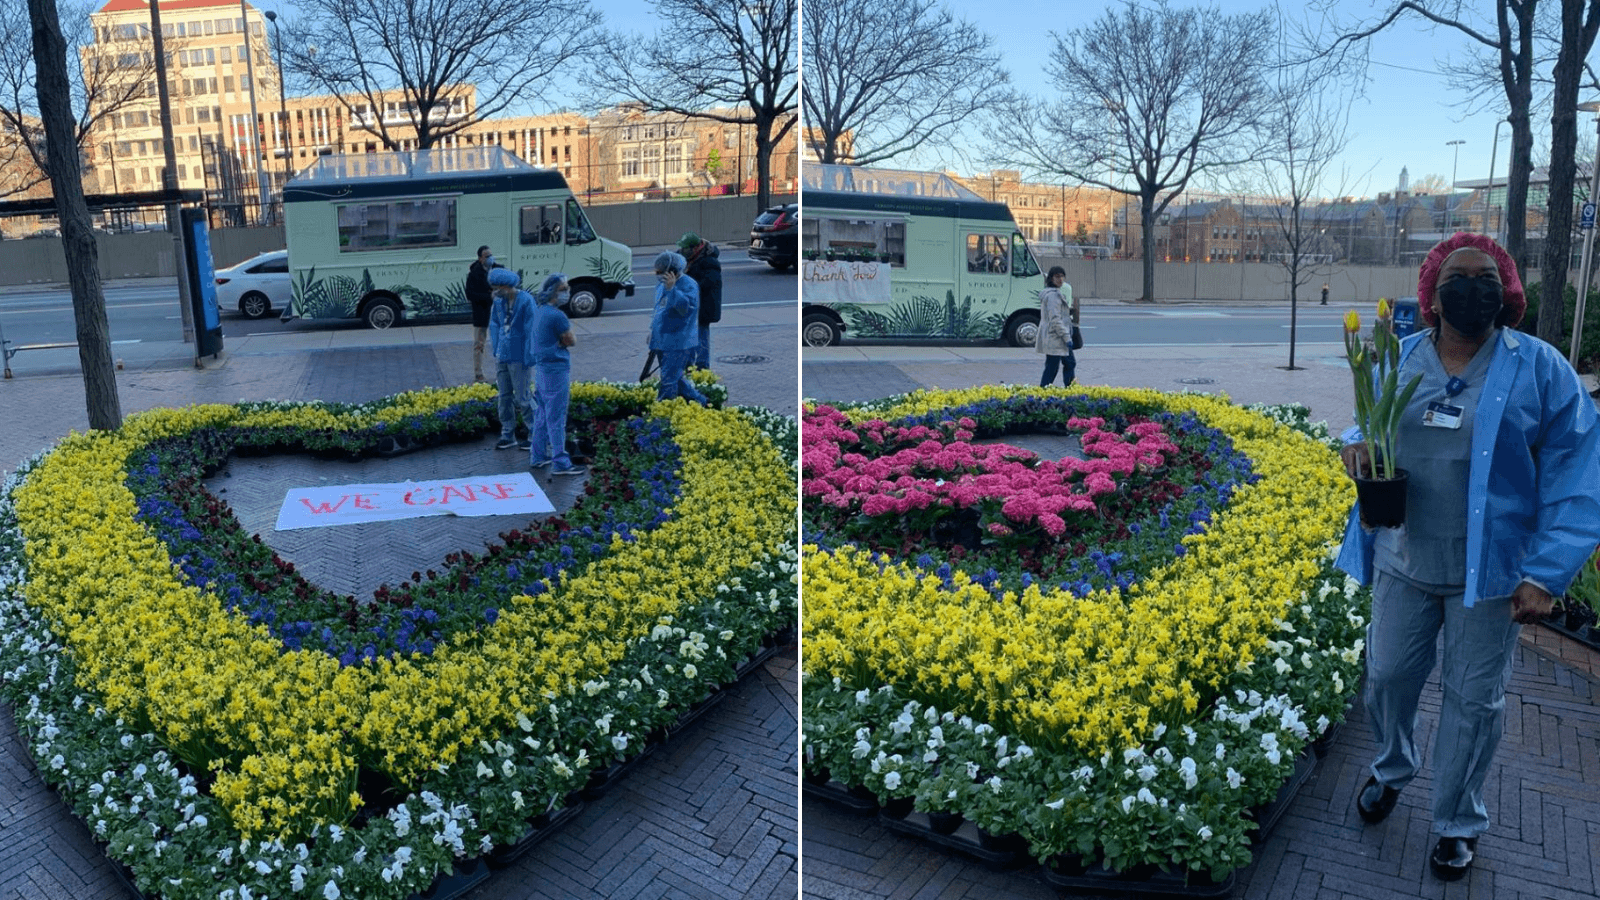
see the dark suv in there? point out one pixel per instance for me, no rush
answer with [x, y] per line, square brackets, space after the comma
[774, 238]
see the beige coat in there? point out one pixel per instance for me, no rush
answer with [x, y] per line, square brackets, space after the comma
[1057, 313]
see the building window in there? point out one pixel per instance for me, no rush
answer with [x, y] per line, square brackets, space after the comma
[227, 54]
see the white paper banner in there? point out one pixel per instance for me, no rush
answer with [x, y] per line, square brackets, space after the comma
[515, 494]
[844, 282]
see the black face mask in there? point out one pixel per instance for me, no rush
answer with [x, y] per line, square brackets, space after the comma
[1471, 305]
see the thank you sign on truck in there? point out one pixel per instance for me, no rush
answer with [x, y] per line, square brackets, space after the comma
[829, 281]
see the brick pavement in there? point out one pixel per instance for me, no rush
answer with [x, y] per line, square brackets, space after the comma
[1544, 792]
[711, 814]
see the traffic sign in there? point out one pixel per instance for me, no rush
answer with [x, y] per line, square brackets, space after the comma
[1586, 220]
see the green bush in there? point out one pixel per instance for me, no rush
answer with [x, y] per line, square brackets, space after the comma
[1589, 350]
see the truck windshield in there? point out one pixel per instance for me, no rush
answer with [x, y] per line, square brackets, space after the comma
[578, 230]
[1022, 262]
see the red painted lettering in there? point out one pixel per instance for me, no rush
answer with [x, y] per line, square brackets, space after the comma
[364, 501]
[324, 507]
[462, 492]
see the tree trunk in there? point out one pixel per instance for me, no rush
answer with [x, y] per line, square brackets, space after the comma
[763, 162]
[1147, 238]
[1577, 37]
[77, 230]
[1516, 68]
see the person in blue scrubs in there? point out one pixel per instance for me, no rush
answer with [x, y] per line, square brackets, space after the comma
[549, 339]
[1503, 452]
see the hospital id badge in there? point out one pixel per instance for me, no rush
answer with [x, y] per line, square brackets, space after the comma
[1442, 415]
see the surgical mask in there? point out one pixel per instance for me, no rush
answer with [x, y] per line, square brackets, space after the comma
[1470, 305]
[562, 297]
[661, 278]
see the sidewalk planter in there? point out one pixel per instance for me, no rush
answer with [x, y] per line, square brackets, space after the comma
[144, 637]
[1136, 652]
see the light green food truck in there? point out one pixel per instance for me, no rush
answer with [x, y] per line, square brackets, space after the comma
[388, 237]
[911, 255]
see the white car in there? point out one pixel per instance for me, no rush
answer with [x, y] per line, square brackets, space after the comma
[256, 286]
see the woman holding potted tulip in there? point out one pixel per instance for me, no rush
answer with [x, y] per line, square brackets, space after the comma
[1503, 452]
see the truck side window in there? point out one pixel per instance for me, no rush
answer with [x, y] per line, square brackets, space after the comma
[987, 253]
[541, 224]
[387, 224]
[578, 230]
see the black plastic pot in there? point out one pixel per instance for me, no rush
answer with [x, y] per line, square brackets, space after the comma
[1383, 501]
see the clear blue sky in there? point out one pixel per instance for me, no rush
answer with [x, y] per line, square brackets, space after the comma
[1404, 119]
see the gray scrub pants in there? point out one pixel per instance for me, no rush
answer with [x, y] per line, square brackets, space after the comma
[1402, 642]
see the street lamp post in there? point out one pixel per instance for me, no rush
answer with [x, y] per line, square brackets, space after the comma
[1453, 166]
[255, 128]
[1488, 195]
[1588, 246]
[283, 104]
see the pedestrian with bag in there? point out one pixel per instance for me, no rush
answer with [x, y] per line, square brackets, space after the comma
[509, 318]
[1058, 329]
[480, 296]
[705, 268]
[674, 331]
[1501, 446]
[549, 339]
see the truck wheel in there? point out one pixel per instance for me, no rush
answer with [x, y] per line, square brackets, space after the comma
[1023, 329]
[255, 305]
[819, 330]
[583, 303]
[382, 313]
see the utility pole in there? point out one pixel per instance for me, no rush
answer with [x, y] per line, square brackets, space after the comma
[262, 204]
[169, 181]
[283, 92]
[1453, 166]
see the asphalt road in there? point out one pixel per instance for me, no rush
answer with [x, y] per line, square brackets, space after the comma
[148, 310]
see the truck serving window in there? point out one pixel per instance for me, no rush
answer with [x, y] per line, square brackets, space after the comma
[396, 224]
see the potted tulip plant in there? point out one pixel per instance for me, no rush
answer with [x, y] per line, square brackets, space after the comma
[1380, 401]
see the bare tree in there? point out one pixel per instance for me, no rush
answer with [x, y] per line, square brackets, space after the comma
[1151, 94]
[1308, 125]
[1431, 185]
[101, 85]
[884, 76]
[409, 67]
[732, 61]
[1508, 39]
[77, 230]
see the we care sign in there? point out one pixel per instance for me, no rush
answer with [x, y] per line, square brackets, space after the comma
[513, 494]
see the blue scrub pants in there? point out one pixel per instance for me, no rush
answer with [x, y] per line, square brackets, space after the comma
[514, 397]
[674, 383]
[552, 394]
[1402, 641]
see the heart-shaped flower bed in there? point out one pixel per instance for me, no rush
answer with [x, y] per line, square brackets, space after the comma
[950, 619]
[225, 726]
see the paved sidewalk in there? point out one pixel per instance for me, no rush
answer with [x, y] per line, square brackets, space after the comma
[1544, 793]
[711, 815]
